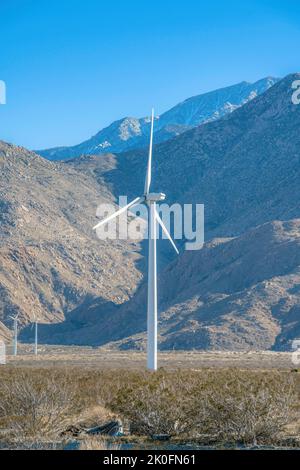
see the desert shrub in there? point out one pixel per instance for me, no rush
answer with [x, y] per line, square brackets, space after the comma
[35, 407]
[158, 404]
[244, 407]
[97, 443]
[220, 404]
[227, 406]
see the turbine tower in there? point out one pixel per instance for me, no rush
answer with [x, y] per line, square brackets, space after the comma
[35, 335]
[15, 320]
[150, 199]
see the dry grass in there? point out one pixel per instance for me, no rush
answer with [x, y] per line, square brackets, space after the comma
[93, 415]
[97, 443]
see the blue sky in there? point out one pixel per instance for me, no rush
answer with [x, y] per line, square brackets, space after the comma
[72, 67]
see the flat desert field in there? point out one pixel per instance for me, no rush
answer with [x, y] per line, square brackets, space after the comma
[103, 358]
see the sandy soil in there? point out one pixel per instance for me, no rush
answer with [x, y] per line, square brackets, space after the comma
[103, 358]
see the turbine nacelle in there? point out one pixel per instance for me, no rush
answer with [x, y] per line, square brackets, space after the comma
[154, 197]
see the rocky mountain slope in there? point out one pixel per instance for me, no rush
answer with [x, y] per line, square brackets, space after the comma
[130, 133]
[5, 333]
[235, 294]
[51, 260]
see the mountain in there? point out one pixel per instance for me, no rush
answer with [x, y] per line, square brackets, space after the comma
[235, 294]
[51, 261]
[215, 104]
[241, 291]
[132, 133]
[244, 167]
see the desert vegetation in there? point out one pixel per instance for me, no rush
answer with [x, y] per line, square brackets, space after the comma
[224, 406]
[97, 443]
[34, 406]
[42, 405]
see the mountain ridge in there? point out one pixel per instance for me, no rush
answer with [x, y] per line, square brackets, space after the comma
[129, 133]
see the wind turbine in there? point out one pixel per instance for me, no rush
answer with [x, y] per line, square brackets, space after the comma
[150, 200]
[15, 320]
[35, 334]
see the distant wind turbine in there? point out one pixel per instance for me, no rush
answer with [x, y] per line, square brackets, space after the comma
[150, 199]
[15, 320]
[35, 334]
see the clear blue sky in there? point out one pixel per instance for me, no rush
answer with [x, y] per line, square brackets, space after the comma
[73, 66]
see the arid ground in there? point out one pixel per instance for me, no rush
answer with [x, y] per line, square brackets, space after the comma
[103, 358]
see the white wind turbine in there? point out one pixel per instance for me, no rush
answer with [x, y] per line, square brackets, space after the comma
[150, 199]
[15, 320]
[35, 334]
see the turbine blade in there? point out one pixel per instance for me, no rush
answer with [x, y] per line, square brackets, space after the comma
[119, 212]
[148, 174]
[164, 228]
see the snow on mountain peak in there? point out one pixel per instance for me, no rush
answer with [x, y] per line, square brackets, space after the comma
[130, 127]
[129, 133]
